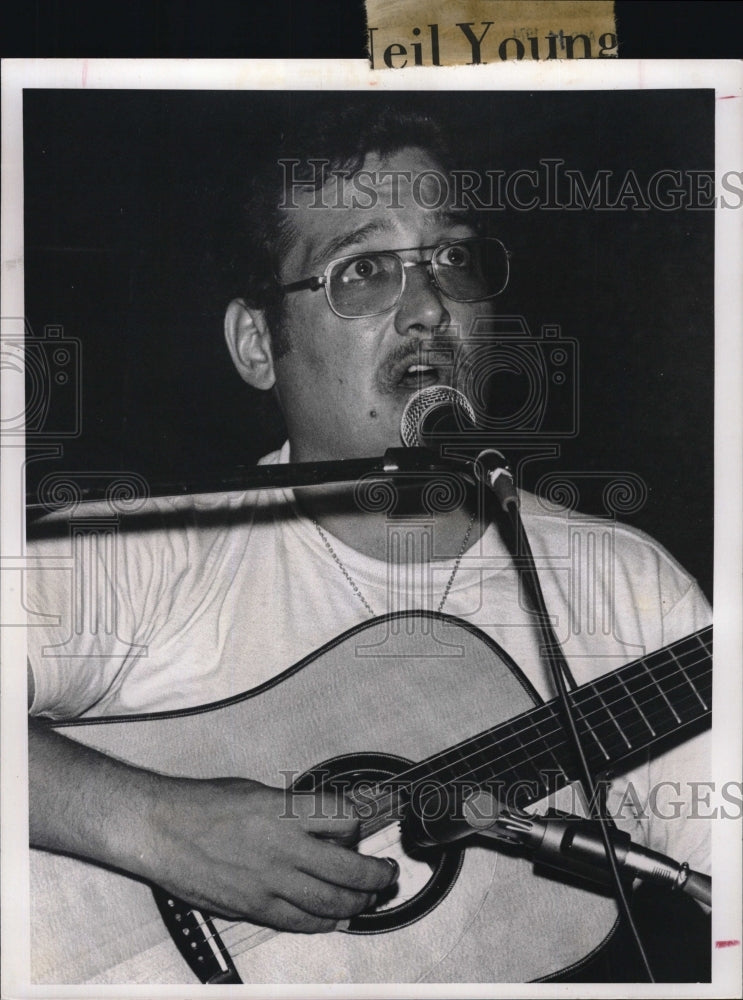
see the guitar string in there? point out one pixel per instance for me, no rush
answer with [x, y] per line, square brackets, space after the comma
[235, 942]
[522, 759]
[548, 715]
[542, 738]
[532, 716]
[688, 697]
[240, 942]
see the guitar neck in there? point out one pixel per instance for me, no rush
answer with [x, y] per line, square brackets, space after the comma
[648, 701]
[619, 715]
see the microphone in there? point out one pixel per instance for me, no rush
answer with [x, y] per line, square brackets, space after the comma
[438, 417]
[558, 840]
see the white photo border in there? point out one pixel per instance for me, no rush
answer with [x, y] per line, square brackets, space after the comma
[725, 79]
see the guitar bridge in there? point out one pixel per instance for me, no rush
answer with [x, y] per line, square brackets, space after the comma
[197, 939]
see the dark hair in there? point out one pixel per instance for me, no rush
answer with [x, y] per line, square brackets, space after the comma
[341, 135]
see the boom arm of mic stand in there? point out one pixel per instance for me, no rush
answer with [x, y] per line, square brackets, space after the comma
[394, 462]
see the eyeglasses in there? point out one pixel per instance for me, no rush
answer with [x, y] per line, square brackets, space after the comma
[367, 284]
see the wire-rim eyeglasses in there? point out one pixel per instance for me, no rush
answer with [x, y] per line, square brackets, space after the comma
[359, 285]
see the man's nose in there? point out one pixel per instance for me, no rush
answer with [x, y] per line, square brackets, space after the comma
[421, 306]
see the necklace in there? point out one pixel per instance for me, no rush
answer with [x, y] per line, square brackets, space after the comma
[354, 586]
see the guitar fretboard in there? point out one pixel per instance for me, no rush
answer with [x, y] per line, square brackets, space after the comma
[619, 715]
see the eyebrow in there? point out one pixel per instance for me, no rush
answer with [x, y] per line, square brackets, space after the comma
[337, 246]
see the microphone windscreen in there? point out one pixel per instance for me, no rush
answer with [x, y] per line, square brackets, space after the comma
[434, 415]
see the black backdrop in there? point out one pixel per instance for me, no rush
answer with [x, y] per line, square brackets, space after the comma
[130, 199]
[307, 29]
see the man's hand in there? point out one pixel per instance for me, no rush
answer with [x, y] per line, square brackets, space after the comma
[233, 847]
[238, 848]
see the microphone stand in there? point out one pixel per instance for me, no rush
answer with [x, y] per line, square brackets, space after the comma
[394, 462]
[491, 469]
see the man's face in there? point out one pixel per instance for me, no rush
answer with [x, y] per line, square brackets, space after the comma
[344, 383]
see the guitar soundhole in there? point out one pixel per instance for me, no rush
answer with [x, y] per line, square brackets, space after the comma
[426, 876]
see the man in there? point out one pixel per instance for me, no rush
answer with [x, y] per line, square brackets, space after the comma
[356, 295]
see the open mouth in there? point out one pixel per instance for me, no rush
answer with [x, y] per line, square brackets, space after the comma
[417, 376]
[413, 367]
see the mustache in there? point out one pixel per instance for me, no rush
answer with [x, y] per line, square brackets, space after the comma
[438, 352]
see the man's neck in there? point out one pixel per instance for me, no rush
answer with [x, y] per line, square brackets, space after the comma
[365, 519]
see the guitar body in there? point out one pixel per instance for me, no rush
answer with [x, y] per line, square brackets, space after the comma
[393, 690]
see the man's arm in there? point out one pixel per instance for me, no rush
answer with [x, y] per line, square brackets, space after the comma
[220, 845]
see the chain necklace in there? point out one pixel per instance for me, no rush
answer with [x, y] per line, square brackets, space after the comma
[354, 586]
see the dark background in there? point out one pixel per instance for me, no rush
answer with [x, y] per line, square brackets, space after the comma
[328, 29]
[131, 199]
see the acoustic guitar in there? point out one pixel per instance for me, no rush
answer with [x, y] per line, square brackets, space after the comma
[385, 709]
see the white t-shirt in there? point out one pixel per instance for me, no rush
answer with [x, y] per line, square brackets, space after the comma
[216, 594]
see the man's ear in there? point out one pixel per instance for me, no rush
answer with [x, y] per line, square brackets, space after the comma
[249, 343]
